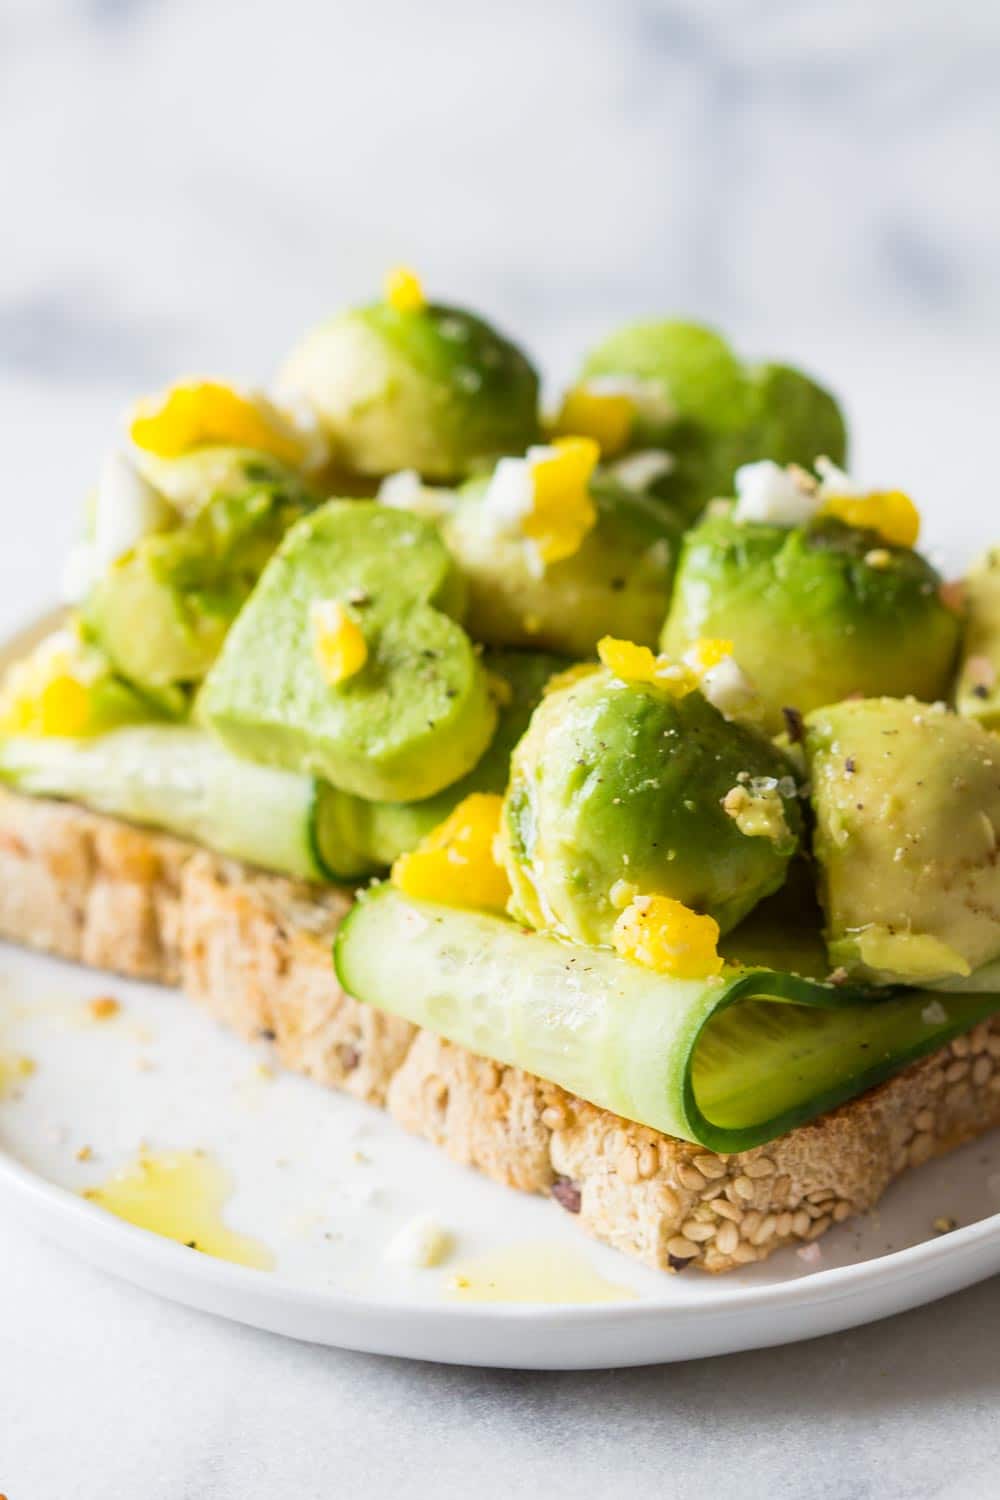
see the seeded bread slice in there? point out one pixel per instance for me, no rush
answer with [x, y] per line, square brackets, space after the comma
[254, 950]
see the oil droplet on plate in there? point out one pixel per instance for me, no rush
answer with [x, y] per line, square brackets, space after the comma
[14, 1069]
[533, 1273]
[180, 1195]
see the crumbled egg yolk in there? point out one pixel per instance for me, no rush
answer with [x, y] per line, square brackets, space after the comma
[889, 512]
[707, 653]
[48, 693]
[708, 664]
[338, 642]
[196, 413]
[605, 407]
[456, 863]
[562, 512]
[604, 415]
[544, 498]
[638, 664]
[667, 936]
[403, 290]
[791, 497]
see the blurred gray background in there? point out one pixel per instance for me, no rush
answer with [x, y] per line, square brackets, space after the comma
[187, 184]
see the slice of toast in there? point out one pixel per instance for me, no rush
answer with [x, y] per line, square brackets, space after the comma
[254, 949]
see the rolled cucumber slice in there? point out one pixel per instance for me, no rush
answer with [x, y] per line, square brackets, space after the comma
[728, 1062]
[180, 780]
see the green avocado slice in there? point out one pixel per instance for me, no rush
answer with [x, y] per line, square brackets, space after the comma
[619, 784]
[617, 583]
[906, 798]
[161, 612]
[977, 692]
[417, 715]
[359, 837]
[432, 388]
[815, 614]
[719, 412]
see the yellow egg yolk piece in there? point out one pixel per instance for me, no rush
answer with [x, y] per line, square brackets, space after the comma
[48, 692]
[199, 413]
[605, 416]
[338, 641]
[562, 512]
[667, 936]
[638, 664]
[456, 864]
[707, 653]
[889, 512]
[403, 290]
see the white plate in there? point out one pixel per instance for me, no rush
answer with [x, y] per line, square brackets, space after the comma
[326, 1182]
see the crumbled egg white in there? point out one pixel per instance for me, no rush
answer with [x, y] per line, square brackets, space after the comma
[510, 494]
[543, 499]
[420, 1243]
[728, 688]
[79, 574]
[637, 471]
[833, 480]
[126, 509]
[767, 492]
[405, 490]
[400, 491]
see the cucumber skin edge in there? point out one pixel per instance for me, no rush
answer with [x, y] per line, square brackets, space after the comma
[758, 983]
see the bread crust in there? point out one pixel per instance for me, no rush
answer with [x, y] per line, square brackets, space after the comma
[254, 950]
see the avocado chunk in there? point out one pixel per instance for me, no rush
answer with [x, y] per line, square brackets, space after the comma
[360, 837]
[415, 717]
[189, 480]
[977, 692]
[617, 583]
[161, 611]
[619, 789]
[815, 613]
[715, 412]
[907, 803]
[431, 388]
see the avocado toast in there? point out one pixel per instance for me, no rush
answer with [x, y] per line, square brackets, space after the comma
[683, 902]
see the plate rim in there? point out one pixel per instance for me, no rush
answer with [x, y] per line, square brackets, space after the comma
[831, 1284]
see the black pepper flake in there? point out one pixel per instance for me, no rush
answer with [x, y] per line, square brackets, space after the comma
[794, 725]
[850, 765]
[617, 584]
[267, 1034]
[980, 690]
[567, 1194]
[191, 1244]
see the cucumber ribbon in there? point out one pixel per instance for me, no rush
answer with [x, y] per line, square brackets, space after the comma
[178, 779]
[728, 1062]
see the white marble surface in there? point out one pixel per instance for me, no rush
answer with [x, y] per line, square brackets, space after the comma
[189, 182]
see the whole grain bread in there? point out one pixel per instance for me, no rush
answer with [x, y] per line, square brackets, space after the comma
[254, 950]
